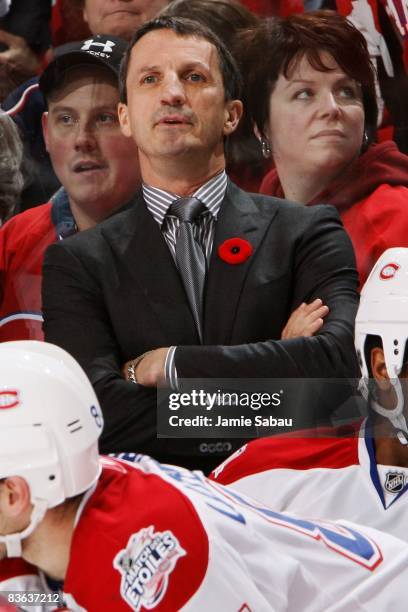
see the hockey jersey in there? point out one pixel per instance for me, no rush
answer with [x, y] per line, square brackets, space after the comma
[18, 577]
[151, 536]
[23, 242]
[324, 477]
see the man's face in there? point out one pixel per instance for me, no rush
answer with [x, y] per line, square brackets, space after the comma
[176, 103]
[94, 161]
[120, 17]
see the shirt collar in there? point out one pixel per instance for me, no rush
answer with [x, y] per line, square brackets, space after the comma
[61, 215]
[211, 194]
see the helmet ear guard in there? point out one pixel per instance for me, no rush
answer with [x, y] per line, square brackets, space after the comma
[383, 312]
[50, 422]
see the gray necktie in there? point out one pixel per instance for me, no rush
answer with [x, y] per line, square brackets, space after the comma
[190, 258]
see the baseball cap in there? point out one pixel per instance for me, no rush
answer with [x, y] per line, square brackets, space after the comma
[100, 50]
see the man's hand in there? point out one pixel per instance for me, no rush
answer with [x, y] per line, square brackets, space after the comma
[18, 54]
[150, 370]
[306, 320]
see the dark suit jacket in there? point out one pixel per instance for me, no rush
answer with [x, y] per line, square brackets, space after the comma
[113, 292]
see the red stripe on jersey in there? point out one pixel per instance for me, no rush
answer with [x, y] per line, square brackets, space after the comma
[12, 568]
[298, 452]
[18, 107]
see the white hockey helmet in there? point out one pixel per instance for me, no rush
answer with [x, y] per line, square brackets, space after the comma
[50, 422]
[383, 312]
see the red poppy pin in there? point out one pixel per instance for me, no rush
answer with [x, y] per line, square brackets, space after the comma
[235, 251]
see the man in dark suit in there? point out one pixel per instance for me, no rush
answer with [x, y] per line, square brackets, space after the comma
[121, 290]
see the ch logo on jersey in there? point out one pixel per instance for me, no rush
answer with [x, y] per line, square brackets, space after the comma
[107, 47]
[389, 271]
[394, 482]
[145, 566]
[8, 399]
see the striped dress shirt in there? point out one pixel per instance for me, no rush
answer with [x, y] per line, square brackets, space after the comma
[158, 202]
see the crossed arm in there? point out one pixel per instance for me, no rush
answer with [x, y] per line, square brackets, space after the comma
[305, 321]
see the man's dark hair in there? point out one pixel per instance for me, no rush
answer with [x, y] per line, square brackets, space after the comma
[278, 44]
[226, 18]
[186, 27]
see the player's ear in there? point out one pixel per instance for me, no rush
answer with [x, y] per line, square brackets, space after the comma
[379, 369]
[15, 498]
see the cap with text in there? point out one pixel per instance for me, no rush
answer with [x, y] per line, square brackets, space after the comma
[100, 50]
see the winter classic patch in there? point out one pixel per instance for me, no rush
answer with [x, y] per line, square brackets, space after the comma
[145, 565]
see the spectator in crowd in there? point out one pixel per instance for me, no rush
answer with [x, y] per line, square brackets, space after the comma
[384, 25]
[26, 104]
[24, 40]
[228, 18]
[11, 178]
[144, 536]
[96, 164]
[358, 472]
[267, 255]
[312, 99]
[120, 18]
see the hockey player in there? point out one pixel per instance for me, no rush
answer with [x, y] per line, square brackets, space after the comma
[364, 476]
[144, 536]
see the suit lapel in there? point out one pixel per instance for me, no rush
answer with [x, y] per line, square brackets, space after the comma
[142, 250]
[146, 256]
[239, 218]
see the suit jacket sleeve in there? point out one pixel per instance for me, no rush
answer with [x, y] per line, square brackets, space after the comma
[76, 319]
[323, 267]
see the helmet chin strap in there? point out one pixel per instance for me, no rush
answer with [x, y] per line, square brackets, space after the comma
[13, 541]
[395, 415]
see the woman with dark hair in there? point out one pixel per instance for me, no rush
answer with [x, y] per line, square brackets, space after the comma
[310, 92]
[11, 155]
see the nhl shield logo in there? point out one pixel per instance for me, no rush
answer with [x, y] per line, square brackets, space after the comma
[394, 482]
[145, 566]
